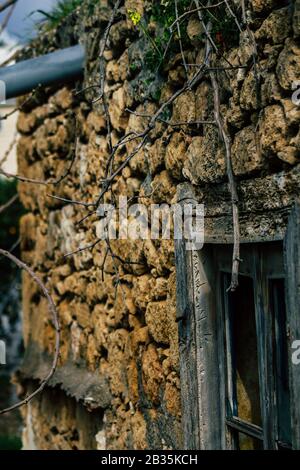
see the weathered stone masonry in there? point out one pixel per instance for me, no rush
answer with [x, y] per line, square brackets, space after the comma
[117, 385]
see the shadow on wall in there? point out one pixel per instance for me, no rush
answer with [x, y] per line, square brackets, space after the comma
[10, 319]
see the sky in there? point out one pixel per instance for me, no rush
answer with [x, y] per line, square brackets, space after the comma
[21, 24]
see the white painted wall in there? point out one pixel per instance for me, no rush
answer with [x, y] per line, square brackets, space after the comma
[8, 129]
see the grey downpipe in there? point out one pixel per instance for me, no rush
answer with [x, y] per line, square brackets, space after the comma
[57, 67]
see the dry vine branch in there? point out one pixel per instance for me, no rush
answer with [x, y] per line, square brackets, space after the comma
[144, 135]
[165, 51]
[54, 182]
[254, 45]
[84, 248]
[232, 185]
[141, 139]
[103, 44]
[7, 4]
[256, 69]
[195, 10]
[72, 201]
[7, 153]
[102, 96]
[7, 18]
[172, 124]
[233, 16]
[25, 179]
[21, 106]
[102, 68]
[101, 86]
[9, 203]
[13, 246]
[231, 179]
[129, 137]
[55, 320]
[110, 175]
[179, 38]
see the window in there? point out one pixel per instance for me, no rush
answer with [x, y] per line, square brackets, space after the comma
[243, 410]
[239, 386]
[257, 404]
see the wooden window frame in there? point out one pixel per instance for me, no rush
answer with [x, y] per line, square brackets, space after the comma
[263, 264]
[201, 345]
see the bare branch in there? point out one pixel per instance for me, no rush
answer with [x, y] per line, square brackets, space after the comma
[234, 16]
[8, 151]
[143, 135]
[21, 106]
[179, 37]
[13, 247]
[231, 179]
[9, 203]
[232, 185]
[7, 17]
[195, 10]
[55, 320]
[84, 248]
[23, 179]
[72, 201]
[7, 4]
[169, 123]
[54, 182]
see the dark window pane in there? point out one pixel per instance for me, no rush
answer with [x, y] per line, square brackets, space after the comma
[281, 366]
[243, 346]
[245, 442]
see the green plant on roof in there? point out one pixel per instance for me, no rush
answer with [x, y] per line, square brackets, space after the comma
[62, 9]
[161, 16]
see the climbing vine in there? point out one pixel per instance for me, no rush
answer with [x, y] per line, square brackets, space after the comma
[164, 29]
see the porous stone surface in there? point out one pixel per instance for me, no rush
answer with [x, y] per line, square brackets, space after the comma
[118, 320]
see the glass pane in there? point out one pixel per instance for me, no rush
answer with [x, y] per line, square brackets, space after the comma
[281, 363]
[245, 442]
[242, 326]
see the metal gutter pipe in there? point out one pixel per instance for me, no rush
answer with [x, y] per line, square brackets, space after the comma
[57, 67]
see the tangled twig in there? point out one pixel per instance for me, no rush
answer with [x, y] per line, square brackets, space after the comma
[140, 139]
[193, 11]
[232, 184]
[231, 179]
[55, 320]
[7, 4]
[55, 182]
[179, 37]
[7, 17]
[21, 106]
[8, 151]
[9, 203]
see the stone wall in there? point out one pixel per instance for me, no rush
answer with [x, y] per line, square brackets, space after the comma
[118, 372]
